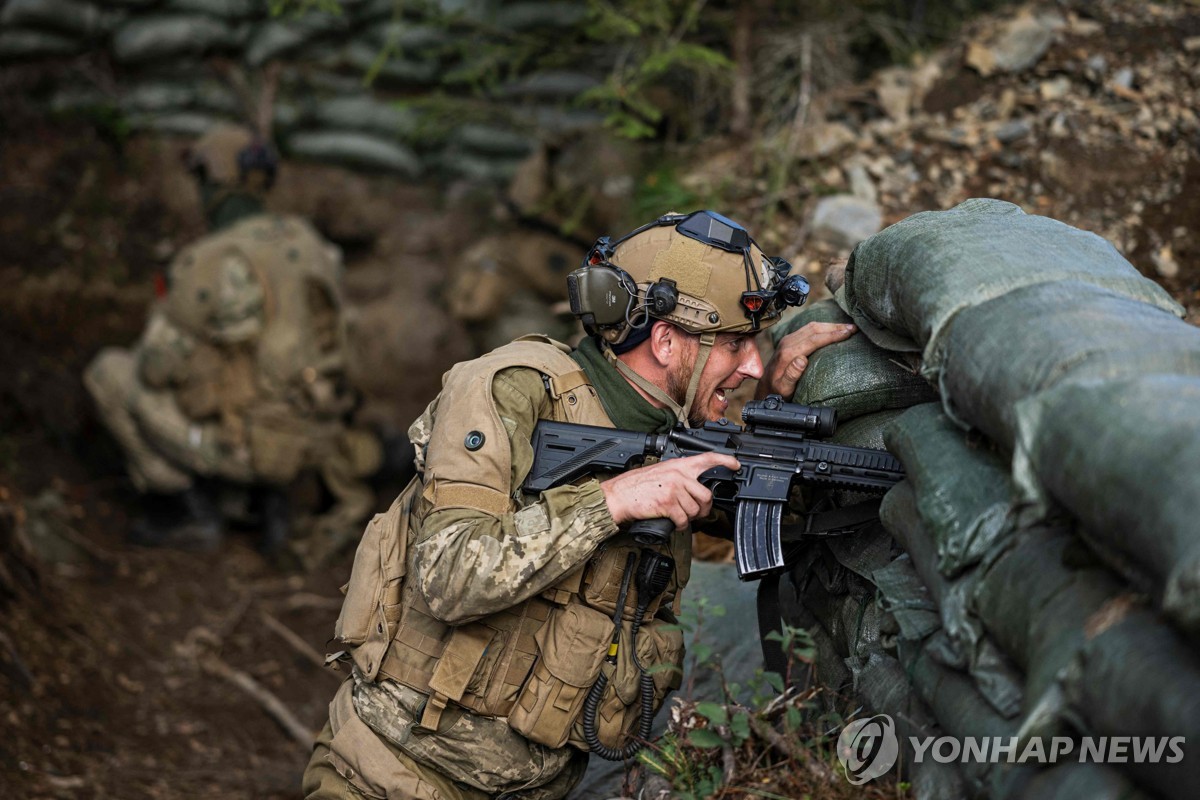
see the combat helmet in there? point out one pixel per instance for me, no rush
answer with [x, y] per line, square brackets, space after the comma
[228, 155]
[700, 271]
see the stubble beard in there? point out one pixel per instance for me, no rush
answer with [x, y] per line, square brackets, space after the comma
[677, 386]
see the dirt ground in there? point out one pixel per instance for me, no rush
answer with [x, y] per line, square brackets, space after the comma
[102, 688]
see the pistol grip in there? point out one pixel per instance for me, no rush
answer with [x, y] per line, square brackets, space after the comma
[652, 531]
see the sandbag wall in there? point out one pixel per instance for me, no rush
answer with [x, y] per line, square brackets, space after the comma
[1037, 574]
[162, 55]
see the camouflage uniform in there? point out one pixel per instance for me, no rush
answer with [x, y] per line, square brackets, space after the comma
[483, 558]
[239, 374]
[479, 620]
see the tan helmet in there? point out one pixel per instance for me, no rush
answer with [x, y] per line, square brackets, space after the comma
[700, 271]
[226, 153]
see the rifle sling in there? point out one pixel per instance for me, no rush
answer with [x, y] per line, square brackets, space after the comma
[770, 613]
[770, 619]
[833, 522]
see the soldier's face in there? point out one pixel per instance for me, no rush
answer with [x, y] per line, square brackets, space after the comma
[734, 358]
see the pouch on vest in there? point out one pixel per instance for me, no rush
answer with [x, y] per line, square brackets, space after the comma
[280, 443]
[372, 605]
[658, 643]
[571, 648]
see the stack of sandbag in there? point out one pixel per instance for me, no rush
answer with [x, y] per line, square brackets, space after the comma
[1046, 568]
[354, 79]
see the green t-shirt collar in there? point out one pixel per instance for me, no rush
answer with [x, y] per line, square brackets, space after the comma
[624, 405]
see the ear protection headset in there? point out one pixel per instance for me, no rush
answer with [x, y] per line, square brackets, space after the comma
[606, 297]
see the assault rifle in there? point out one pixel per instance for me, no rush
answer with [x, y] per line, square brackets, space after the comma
[777, 449]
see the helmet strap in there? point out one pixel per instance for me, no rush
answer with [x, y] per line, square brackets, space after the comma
[643, 384]
[680, 411]
[707, 340]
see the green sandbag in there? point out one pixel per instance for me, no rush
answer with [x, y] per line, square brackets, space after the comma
[1036, 598]
[1072, 780]
[905, 596]
[905, 283]
[963, 645]
[356, 150]
[166, 36]
[867, 430]
[882, 685]
[963, 493]
[1037, 337]
[1136, 678]
[957, 705]
[71, 17]
[854, 376]
[1123, 457]
[19, 44]
[852, 619]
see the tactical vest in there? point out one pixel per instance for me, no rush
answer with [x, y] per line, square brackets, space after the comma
[535, 662]
[262, 304]
[293, 283]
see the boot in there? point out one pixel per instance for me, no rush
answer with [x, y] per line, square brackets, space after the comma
[187, 521]
[276, 522]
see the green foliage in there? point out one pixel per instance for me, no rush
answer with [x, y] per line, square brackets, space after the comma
[659, 191]
[648, 40]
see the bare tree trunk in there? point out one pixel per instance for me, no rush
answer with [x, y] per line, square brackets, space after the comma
[743, 67]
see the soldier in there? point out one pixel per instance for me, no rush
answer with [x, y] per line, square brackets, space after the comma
[238, 379]
[494, 638]
[508, 285]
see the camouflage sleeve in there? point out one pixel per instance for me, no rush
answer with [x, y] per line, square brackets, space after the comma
[470, 564]
[163, 352]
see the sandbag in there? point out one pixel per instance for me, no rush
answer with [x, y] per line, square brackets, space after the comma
[19, 44]
[274, 39]
[70, 17]
[905, 596]
[162, 96]
[963, 491]
[957, 705]
[1136, 678]
[854, 376]
[353, 149]
[1072, 780]
[882, 684]
[962, 644]
[1123, 457]
[867, 430]
[232, 10]
[904, 284]
[367, 115]
[1035, 599]
[1037, 337]
[170, 36]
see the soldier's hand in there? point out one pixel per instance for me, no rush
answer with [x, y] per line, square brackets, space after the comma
[666, 489]
[791, 356]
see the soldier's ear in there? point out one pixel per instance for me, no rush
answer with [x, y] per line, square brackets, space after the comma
[664, 342]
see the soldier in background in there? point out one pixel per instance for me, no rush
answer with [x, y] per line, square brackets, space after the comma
[561, 198]
[236, 388]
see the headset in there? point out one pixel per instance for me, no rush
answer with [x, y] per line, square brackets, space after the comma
[604, 296]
